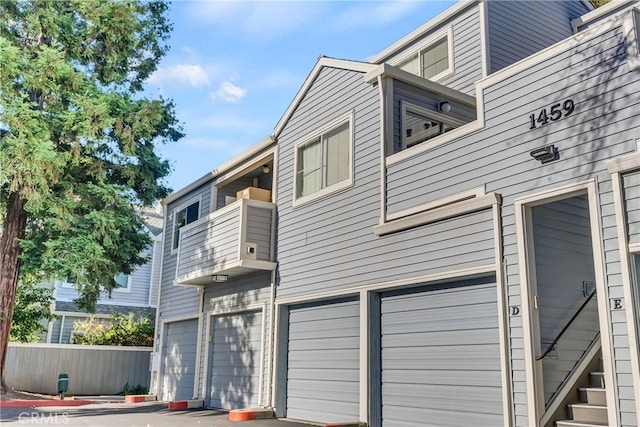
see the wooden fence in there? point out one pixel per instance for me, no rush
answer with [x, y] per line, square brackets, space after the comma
[92, 369]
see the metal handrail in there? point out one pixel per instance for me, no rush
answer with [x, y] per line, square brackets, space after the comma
[555, 341]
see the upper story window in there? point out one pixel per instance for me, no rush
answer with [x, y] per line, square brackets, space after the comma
[183, 216]
[324, 161]
[122, 281]
[420, 125]
[432, 59]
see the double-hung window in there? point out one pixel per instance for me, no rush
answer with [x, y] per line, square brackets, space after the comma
[324, 162]
[183, 216]
[432, 60]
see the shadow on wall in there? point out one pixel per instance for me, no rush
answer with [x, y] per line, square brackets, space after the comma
[236, 348]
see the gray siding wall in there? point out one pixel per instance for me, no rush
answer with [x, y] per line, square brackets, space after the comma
[211, 243]
[467, 51]
[178, 301]
[605, 124]
[329, 244]
[518, 29]
[92, 370]
[631, 196]
[254, 289]
[259, 231]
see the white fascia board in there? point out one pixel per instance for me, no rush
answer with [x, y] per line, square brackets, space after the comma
[323, 61]
[386, 70]
[599, 12]
[421, 31]
[233, 162]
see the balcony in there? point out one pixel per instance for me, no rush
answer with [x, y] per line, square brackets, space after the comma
[235, 240]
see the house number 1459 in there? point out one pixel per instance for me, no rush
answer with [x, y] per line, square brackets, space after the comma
[556, 111]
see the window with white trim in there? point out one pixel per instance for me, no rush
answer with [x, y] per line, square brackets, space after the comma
[182, 217]
[122, 281]
[433, 61]
[324, 163]
[420, 125]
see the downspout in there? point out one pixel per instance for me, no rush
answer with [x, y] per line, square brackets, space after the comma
[272, 337]
[199, 345]
[157, 342]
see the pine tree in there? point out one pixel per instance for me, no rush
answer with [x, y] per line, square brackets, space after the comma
[78, 141]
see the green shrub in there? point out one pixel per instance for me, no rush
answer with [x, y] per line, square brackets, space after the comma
[121, 330]
[139, 389]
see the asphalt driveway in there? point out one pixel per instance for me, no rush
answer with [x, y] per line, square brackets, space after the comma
[151, 414]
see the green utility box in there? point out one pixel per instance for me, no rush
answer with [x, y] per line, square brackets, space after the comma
[63, 384]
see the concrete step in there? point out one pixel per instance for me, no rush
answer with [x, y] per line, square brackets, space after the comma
[593, 395]
[596, 379]
[569, 423]
[589, 413]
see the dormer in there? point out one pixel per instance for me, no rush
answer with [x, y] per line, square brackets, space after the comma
[475, 38]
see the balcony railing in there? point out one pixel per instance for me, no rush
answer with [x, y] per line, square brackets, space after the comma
[232, 241]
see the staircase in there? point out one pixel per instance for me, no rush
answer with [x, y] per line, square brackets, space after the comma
[592, 409]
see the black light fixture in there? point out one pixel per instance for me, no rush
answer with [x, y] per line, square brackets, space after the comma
[219, 278]
[444, 107]
[545, 154]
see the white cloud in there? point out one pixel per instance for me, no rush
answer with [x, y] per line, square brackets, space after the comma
[181, 74]
[228, 92]
[370, 14]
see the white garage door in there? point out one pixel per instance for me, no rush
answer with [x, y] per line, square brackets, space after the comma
[179, 359]
[323, 363]
[235, 360]
[441, 357]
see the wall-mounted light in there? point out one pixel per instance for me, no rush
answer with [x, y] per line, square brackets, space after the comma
[219, 278]
[444, 107]
[266, 169]
[545, 154]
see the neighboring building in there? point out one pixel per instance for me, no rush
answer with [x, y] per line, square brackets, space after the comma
[457, 242]
[137, 292]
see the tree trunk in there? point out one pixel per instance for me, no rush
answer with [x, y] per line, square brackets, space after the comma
[15, 223]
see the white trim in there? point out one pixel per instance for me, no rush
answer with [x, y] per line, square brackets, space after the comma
[213, 200]
[387, 70]
[64, 317]
[157, 252]
[624, 163]
[632, 34]
[242, 169]
[271, 341]
[364, 356]
[196, 376]
[172, 219]
[634, 248]
[157, 337]
[485, 49]
[418, 48]
[385, 107]
[418, 33]
[626, 266]
[241, 263]
[112, 303]
[160, 372]
[126, 290]
[503, 326]
[323, 192]
[445, 276]
[448, 200]
[532, 368]
[361, 67]
[438, 213]
[243, 156]
[82, 314]
[598, 13]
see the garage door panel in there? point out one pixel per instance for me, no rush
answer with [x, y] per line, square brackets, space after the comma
[235, 361]
[440, 357]
[179, 359]
[323, 362]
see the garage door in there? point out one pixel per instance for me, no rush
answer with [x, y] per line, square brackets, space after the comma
[441, 357]
[235, 367]
[179, 359]
[323, 362]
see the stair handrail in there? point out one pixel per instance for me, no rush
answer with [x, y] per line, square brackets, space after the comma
[566, 326]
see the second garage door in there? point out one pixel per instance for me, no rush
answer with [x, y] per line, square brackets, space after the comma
[323, 363]
[441, 357]
[235, 360]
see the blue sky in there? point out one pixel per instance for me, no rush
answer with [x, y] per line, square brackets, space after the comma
[235, 66]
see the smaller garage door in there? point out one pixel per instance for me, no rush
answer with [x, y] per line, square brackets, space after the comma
[235, 360]
[179, 360]
[323, 363]
[441, 357]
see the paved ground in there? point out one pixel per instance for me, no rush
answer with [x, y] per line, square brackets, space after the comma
[151, 414]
